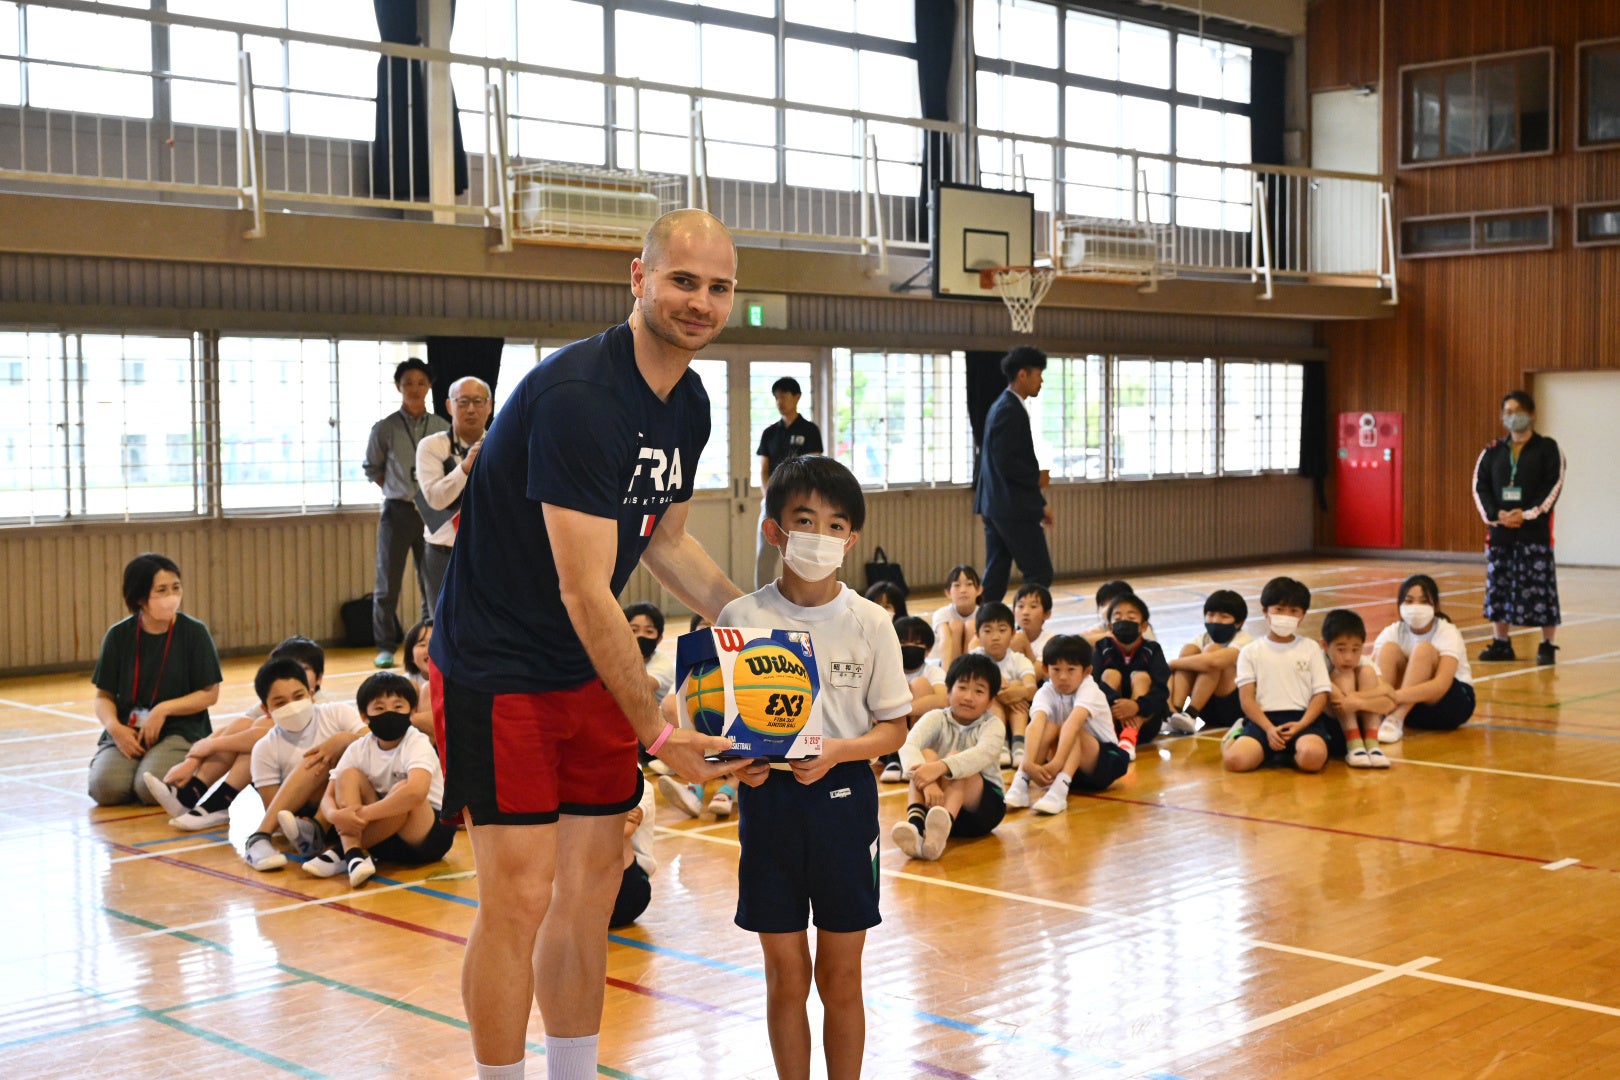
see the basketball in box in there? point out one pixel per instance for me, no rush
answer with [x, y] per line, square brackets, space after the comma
[756, 687]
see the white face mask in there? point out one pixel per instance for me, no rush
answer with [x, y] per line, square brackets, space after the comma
[813, 556]
[1283, 625]
[1416, 615]
[294, 716]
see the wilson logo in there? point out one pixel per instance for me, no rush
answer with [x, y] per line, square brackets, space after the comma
[729, 640]
[768, 665]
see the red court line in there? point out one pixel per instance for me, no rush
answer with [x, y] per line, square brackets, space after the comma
[693, 1003]
[1538, 860]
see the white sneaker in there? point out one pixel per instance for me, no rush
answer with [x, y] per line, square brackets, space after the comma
[261, 853]
[720, 805]
[1055, 801]
[682, 795]
[657, 765]
[302, 833]
[936, 830]
[1376, 758]
[360, 870]
[164, 794]
[1391, 730]
[907, 838]
[893, 773]
[1006, 758]
[325, 865]
[1017, 797]
[1018, 757]
[1358, 758]
[197, 819]
[1183, 724]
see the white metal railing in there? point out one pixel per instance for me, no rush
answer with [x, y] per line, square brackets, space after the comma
[1260, 222]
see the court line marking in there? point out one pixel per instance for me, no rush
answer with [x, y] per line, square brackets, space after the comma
[48, 711]
[1244, 939]
[1288, 1012]
[1535, 669]
[43, 764]
[53, 735]
[1511, 772]
[171, 851]
[1561, 863]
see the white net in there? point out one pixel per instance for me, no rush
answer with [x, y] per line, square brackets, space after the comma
[1022, 288]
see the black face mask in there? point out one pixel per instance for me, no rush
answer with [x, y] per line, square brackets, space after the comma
[912, 657]
[648, 647]
[1125, 631]
[389, 726]
[1221, 632]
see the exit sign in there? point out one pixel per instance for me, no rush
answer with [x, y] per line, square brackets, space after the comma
[756, 313]
[759, 311]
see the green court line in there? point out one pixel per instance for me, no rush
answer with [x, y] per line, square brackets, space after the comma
[141, 1012]
[234, 995]
[75, 1030]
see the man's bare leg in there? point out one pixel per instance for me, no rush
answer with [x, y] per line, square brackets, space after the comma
[515, 864]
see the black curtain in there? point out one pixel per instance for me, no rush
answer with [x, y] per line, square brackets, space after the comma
[936, 46]
[453, 357]
[1315, 431]
[399, 158]
[985, 382]
[1268, 91]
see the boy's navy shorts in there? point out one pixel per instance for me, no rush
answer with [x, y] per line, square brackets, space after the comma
[809, 847]
[1112, 762]
[1219, 712]
[1448, 714]
[432, 847]
[1329, 730]
[982, 819]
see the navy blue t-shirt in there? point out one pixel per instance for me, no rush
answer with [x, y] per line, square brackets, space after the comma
[583, 431]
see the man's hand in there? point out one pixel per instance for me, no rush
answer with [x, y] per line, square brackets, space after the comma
[684, 752]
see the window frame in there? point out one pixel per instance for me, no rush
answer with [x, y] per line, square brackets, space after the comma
[1579, 214]
[1581, 49]
[1476, 220]
[1472, 63]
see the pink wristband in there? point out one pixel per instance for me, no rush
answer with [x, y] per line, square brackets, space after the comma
[663, 737]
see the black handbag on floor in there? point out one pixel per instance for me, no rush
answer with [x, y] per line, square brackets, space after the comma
[879, 568]
[356, 615]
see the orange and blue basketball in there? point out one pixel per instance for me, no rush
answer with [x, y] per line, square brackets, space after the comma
[772, 688]
[705, 697]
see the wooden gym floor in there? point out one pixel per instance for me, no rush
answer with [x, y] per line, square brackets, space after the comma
[1452, 917]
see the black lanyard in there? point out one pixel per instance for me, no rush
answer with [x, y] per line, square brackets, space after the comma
[168, 639]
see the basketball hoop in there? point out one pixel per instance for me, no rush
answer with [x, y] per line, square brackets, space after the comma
[1021, 288]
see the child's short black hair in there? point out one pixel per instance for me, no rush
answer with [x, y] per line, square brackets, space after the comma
[994, 611]
[1227, 602]
[1131, 599]
[307, 652]
[1523, 398]
[1341, 622]
[1022, 358]
[1039, 592]
[895, 595]
[697, 621]
[1285, 591]
[1110, 589]
[787, 384]
[649, 609]
[273, 671]
[412, 636]
[384, 682]
[139, 575]
[404, 367]
[815, 474]
[972, 665]
[1067, 649]
[913, 630]
[963, 570]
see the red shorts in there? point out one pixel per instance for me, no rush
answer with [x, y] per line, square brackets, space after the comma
[525, 759]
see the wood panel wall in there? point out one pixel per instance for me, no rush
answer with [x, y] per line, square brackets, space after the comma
[1335, 59]
[1469, 329]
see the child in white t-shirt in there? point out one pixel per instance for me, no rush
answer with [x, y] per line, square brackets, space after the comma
[926, 678]
[1359, 697]
[1203, 679]
[994, 624]
[1423, 656]
[1071, 732]
[1032, 606]
[951, 758]
[387, 790]
[953, 623]
[1107, 593]
[1283, 683]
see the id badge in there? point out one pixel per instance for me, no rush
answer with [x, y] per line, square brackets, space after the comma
[1513, 494]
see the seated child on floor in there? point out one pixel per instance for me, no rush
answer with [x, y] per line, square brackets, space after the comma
[951, 758]
[953, 623]
[1132, 673]
[994, 623]
[417, 639]
[1032, 606]
[1071, 732]
[1203, 679]
[635, 888]
[888, 596]
[1283, 683]
[926, 678]
[1359, 698]
[1106, 594]
[386, 792]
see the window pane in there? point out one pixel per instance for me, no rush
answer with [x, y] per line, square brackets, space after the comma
[10, 70]
[1022, 105]
[886, 18]
[644, 43]
[1261, 408]
[831, 14]
[1212, 69]
[1423, 120]
[741, 140]
[1144, 55]
[1600, 86]
[366, 394]
[486, 28]
[139, 441]
[34, 474]
[714, 467]
[97, 40]
[747, 7]
[1091, 45]
[1067, 418]
[819, 74]
[1023, 31]
[738, 62]
[278, 437]
[901, 417]
[889, 84]
[1146, 125]
[1091, 116]
[568, 34]
[517, 360]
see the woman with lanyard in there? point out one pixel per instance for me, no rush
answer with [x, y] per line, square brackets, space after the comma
[1517, 480]
[156, 678]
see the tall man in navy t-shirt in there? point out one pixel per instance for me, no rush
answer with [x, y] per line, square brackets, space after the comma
[1008, 493]
[538, 686]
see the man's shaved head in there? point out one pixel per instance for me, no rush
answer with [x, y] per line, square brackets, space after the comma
[696, 224]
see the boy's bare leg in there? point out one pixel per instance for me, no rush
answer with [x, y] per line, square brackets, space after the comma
[1367, 682]
[964, 792]
[1082, 753]
[1018, 718]
[300, 789]
[787, 989]
[516, 865]
[353, 791]
[1243, 754]
[1181, 682]
[1111, 679]
[838, 982]
[1310, 753]
[1345, 682]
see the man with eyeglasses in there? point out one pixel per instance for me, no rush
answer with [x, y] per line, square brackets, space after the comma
[443, 462]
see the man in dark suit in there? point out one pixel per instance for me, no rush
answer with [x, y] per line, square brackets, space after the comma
[1008, 492]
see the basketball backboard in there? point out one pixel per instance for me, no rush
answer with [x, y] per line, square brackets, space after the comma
[974, 229]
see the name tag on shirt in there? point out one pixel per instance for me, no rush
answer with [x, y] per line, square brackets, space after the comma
[1513, 494]
[846, 674]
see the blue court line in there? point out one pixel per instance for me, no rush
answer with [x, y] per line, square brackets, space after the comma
[1546, 731]
[205, 834]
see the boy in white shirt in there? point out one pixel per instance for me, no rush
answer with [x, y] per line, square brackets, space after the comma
[926, 678]
[386, 791]
[1203, 679]
[1071, 732]
[647, 623]
[1283, 683]
[293, 761]
[952, 759]
[1032, 606]
[1359, 697]
[809, 830]
[994, 625]
[953, 623]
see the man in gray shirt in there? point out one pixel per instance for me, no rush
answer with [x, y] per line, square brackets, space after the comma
[391, 465]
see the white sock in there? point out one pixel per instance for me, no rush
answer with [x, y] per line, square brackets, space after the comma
[571, 1059]
[513, 1071]
[1022, 779]
[1062, 780]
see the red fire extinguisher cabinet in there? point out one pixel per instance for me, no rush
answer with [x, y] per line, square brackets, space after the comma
[1368, 503]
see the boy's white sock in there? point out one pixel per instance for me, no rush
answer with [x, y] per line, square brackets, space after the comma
[1062, 780]
[1021, 779]
[571, 1059]
[513, 1071]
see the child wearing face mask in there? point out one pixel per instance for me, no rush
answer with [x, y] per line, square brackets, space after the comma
[1423, 656]
[1203, 679]
[809, 829]
[386, 792]
[1132, 674]
[291, 764]
[927, 680]
[647, 624]
[1283, 684]
[1107, 593]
